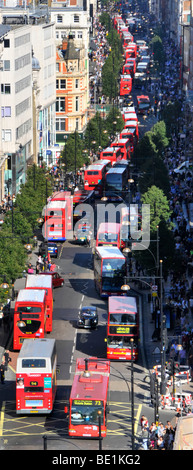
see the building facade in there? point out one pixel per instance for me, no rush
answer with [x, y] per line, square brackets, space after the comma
[16, 105]
[44, 92]
[71, 90]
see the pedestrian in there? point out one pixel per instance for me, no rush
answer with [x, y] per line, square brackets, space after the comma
[30, 269]
[160, 443]
[37, 267]
[145, 437]
[143, 421]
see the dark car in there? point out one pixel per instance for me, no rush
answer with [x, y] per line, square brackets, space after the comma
[52, 249]
[88, 317]
[57, 280]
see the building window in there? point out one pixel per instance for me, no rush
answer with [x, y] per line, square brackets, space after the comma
[63, 84]
[60, 105]
[6, 135]
[57, 84]
[77, 124]
[6, 88]
[76, 18]
[59, 19]
[77, 103]
[6, 64]
[6, 111]
[60, 124]
[6, 43]
[57, 66]
[77, 83]
[79, 35]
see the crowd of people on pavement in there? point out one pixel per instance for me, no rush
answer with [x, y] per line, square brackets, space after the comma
[181, 284]
[98, 57]
[6, 203]
[42, 264]
[157, 436]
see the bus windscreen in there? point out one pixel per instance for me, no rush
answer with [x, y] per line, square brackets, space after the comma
[123, 318]
[86, 414]
[107, 237]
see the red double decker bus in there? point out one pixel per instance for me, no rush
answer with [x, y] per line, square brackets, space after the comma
[131, 51]
[122, 325]
[94, 176]
[125, 85]
[127, 38]
[111, 153]
[29, 316]
[88, 404]
[58, 216]
[132, 124]
[41, 281]
[109, 270]
[124, 145]
[36, 381]
[108, 234]
[130, 61]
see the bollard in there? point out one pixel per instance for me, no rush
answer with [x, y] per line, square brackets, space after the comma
[45, 442]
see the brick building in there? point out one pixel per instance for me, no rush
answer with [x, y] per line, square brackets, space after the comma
[71, 89]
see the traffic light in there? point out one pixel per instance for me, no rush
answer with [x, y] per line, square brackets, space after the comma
[172, 367]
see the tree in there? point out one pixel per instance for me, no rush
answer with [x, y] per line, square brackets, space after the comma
[72, 154]
[158, 50]
[146, 149]
[159, 136]
[114, 121]
[154, 172]
[159, 207]
[170, 115]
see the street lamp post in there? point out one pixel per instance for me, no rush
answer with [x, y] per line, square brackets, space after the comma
[100, 435]
[130, 181]
[163, 359]
[65, 156]
[75, 158]
[132, 399]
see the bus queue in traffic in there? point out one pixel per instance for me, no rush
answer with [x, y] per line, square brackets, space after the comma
[36, 382]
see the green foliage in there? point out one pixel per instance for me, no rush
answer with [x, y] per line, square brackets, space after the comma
[96, 133]
[114, 62]
[154, 172]
[159, 207]
[170, 115]
[148, 157]
[19, 225]
[114, 121]
[146, 149]
[72, 155]
[159, 136]
[158, 51]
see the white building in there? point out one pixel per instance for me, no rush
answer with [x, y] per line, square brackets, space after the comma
[16, 104]
[44, 90]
